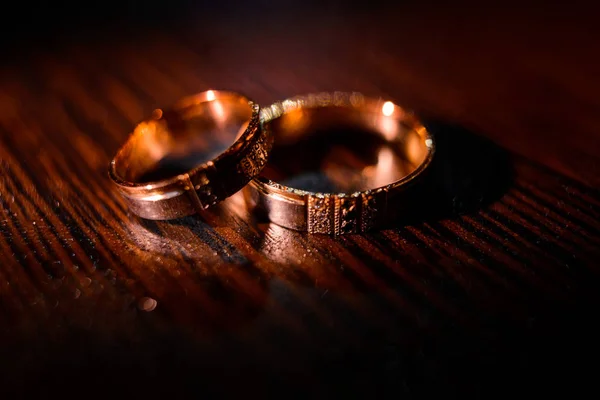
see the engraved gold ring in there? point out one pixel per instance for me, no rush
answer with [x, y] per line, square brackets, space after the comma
[191, 156]
[338, 213]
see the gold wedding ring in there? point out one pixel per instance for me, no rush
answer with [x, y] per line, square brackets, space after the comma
[341, 213]
[191, 156]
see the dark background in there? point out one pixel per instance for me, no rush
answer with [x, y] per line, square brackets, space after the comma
[40, 19]
[491, 290]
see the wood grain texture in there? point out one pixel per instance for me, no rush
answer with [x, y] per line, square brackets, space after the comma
[492, 286]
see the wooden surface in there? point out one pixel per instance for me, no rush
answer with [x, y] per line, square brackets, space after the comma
[492, 289]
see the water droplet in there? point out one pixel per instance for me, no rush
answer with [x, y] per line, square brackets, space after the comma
[85, 282]
[98, 289]
[147, 304]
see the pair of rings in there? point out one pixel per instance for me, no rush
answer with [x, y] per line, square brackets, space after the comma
[157, 171]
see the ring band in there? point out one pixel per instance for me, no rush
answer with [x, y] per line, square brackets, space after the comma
[196, 184]
[341, 213]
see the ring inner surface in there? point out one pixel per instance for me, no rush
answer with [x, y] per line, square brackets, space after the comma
[176, 141]
[339, 149]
